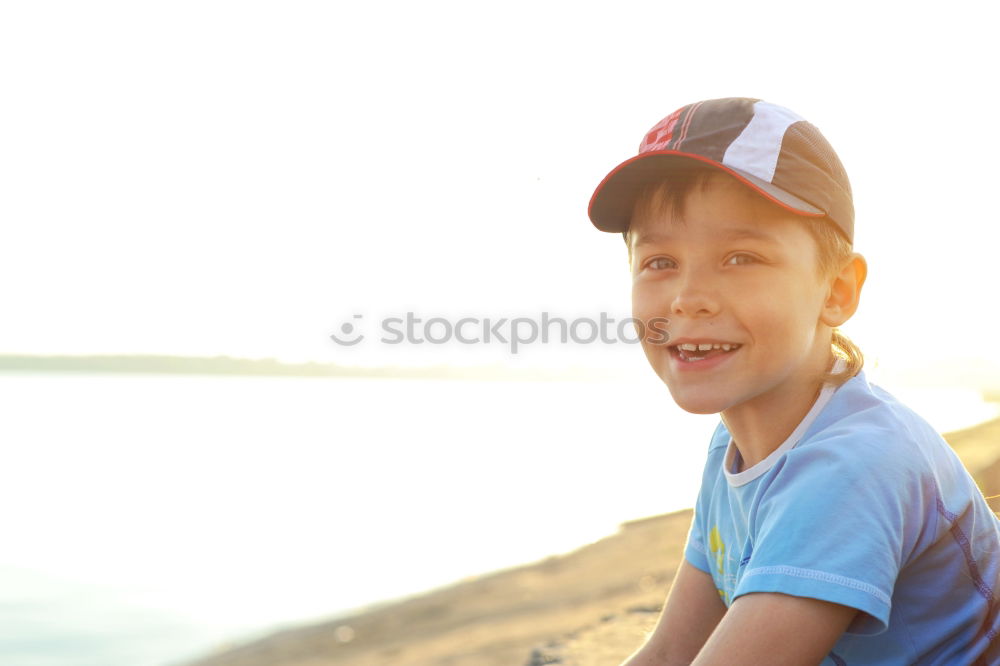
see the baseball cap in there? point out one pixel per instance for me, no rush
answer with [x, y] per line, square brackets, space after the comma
[767, 147]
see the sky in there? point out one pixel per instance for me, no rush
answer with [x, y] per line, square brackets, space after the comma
[220, 178]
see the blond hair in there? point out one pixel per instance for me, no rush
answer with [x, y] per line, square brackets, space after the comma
[833, 250]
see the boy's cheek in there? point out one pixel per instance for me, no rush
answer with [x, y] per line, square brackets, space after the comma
[654, 331]
[647, 307]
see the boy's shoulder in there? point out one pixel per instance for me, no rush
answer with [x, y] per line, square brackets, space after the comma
[864, 422]
[867, 423]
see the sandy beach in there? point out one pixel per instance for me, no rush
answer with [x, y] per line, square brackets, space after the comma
[590, 607]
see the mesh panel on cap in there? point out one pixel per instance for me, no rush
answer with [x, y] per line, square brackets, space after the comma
[809, 168]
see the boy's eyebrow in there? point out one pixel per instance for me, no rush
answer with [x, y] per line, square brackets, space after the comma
[733, 233]
[648, 238]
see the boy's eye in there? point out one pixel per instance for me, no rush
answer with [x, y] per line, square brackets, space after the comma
[740, 259]
[660, 263]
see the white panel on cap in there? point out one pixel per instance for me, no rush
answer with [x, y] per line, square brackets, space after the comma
[756, 149]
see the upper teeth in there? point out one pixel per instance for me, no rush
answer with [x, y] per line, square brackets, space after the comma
[705, 346]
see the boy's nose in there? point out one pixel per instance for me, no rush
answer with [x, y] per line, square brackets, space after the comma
[694, 298]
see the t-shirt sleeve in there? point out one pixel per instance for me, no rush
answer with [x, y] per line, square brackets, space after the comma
[695, 551]
[833, 522]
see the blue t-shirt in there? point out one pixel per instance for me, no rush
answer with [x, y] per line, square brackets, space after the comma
[864, 505]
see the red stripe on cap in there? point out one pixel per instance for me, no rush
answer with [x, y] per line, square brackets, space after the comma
[687, 125]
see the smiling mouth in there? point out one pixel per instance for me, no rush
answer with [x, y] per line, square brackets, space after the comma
[689, 352]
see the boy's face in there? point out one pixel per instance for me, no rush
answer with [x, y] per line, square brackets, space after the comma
[734, 271]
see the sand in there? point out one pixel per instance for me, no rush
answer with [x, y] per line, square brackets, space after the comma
[591, 607]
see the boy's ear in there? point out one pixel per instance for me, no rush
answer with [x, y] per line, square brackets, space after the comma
[845, 292]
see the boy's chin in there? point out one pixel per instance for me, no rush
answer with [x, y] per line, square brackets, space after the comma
[700, 409]
[694, 403]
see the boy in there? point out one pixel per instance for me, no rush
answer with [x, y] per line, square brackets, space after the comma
[833, 524]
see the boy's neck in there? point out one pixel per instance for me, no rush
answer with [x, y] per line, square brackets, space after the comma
[761, 426]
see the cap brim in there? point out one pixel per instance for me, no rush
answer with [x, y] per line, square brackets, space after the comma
[611, 205]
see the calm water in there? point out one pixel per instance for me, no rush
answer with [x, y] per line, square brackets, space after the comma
[151, 518]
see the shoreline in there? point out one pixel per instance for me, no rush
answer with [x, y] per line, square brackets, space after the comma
[588, 607]
[230, 366]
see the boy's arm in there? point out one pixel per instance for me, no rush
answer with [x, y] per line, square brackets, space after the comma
[759, 628]
[691, 613]
[776, 629]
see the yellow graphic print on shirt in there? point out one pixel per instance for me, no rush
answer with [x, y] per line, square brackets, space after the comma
[718, 550]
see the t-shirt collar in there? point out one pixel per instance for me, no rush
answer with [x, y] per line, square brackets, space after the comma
[748, 475]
